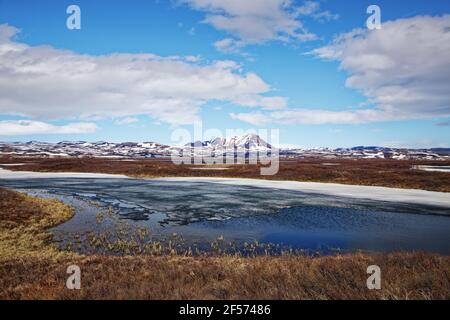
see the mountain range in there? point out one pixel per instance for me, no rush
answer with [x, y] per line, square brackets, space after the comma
[250, 143]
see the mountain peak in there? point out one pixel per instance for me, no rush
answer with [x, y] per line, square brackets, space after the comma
[249, 141]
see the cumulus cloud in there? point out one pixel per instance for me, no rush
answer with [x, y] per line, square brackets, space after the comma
[26, 127]
[254, 118]
[42, 82]
[312, 8]
[258, 21]
[267, 103]
[403, 70]
[229, 45]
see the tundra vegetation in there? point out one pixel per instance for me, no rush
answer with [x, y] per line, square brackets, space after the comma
[370, 172]
[32, 267]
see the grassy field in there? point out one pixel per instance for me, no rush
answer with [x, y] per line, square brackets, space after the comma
[23, 224]
[371, 172]
[31, 268]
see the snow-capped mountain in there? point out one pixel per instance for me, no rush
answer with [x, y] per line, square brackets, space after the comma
[370, 153]
[249, 142]
[85, 149]
[242, 145]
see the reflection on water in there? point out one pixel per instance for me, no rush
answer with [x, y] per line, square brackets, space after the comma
[200, 212]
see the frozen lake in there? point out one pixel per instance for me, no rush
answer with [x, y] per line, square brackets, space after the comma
[201, 211]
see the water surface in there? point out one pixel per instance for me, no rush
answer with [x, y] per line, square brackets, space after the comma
[201, 212]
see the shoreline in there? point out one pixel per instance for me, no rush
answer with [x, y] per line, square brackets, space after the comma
[10, 174]
[411, 196]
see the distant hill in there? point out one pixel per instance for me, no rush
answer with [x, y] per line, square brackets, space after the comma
[249, 143]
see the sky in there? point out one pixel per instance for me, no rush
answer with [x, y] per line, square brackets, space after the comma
[139, 70]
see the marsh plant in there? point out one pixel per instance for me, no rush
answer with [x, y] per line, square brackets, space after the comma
[120, 237]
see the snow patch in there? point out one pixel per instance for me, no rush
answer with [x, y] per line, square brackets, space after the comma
[433, 168]
[412, 196]
[10, 175]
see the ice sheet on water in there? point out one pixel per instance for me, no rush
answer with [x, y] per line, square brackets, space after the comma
[202, 211]
[184, 202]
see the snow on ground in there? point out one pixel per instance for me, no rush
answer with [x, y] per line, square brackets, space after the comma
[350, 191]
[433, 168]
[7, 174]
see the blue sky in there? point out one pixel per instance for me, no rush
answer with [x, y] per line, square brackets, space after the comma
[278, 59]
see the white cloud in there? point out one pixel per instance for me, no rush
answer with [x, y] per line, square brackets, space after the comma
[26, 127]
[254, 118]
[229, 45]
[308, 8]
[258, 21]
[403, 69]
[126, 121]
[267, 103]
[42, 82]
[312, 8]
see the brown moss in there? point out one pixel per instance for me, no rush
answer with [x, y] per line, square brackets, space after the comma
[404, 276]
[24, 221]
[372, 172]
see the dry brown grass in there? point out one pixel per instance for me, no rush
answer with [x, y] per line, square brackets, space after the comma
[24, 221]
[372, 172]
[31, 269]
[404, 276]
[14, 209]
